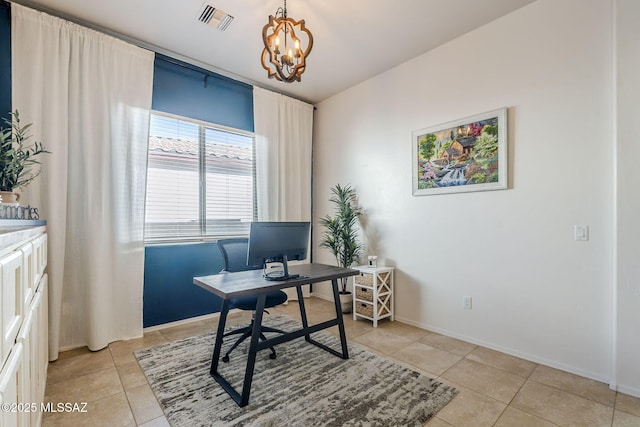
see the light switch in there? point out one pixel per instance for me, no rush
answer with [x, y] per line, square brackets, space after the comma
[581, 232]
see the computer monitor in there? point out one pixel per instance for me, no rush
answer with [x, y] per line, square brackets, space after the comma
[278, 242]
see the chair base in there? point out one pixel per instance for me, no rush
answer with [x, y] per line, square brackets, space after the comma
[246, 333]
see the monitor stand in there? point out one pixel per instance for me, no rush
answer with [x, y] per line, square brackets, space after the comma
[281, 276]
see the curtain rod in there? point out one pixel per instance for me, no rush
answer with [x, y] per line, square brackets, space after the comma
[206, 73]
[150, 46]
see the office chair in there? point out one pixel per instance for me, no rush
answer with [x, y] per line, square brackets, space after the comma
[234, 256]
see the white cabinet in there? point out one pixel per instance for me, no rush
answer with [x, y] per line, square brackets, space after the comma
[40, 336]
[29, 282]
[26, 393]
[40, 249]
[9, 387]
[11, 300]
[373, 293]
[33, 338]
[24, 322]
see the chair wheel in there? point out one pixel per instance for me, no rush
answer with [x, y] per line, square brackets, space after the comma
[272, 356]
[225, 359]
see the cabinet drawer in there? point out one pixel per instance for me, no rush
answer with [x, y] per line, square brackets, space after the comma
[366, 279]
[364, 308]
[41, 333]
[365, 294]
[11, 301]
[40, 255]
[28, 387]
[10, 386]
[29, 271]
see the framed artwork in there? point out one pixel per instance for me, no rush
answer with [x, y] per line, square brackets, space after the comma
[464, 155]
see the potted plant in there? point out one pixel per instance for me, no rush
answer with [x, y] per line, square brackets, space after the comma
[340, 235]
[18, 160]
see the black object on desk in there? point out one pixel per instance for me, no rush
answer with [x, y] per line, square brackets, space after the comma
[233, 285]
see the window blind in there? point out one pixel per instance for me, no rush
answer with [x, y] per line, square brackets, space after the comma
[200, 180]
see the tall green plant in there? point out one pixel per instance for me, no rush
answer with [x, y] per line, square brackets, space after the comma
[17, 159]
[340, 236]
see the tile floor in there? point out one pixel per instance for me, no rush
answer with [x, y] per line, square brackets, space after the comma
[495, 389]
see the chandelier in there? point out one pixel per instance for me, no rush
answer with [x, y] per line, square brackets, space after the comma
[284, 56]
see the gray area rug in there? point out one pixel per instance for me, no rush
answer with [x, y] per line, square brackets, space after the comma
[304, 386]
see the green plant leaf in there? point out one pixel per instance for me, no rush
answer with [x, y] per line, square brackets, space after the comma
[340, 236]
[17, 158]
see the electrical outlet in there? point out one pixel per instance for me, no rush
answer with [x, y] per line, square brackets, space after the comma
[581, 232]
[466, 303]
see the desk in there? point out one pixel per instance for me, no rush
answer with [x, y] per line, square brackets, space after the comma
[230, 285]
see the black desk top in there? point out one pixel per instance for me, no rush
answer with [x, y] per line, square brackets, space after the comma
[231, 285]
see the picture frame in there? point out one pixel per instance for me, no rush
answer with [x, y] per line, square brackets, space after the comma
[463, 155]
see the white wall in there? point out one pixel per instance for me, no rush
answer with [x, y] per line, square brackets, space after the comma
[628, 180]
[536, 292]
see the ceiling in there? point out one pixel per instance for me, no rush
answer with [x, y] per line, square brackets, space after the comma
[353, 39]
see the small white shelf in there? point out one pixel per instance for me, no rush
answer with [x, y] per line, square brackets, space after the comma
[373, 294]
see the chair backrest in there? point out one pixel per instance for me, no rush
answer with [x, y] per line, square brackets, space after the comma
[234, 255]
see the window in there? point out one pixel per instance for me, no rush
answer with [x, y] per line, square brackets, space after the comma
[200, 180]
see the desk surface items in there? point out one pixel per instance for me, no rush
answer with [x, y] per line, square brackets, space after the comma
[373, 293]
[232, 285]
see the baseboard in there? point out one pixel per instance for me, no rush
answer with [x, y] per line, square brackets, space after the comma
[159, 327]
[186, 321]
[67, 348]
[543, 361]
[194, 319]
[631, 391]
[509, 351]
[324, 297]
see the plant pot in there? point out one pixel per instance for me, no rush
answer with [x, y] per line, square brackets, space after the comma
[346, 301]
[9, 198]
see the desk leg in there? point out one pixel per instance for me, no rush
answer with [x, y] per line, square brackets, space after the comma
[343, 335]
[303, 312]
[253, 349]
[218, 344]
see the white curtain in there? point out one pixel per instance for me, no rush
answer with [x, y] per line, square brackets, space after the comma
[283, 132]
[88, 96]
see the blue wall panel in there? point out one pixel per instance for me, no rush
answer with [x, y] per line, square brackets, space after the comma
[169, 292]
[5, 62]
[183, 90]
[189, 91]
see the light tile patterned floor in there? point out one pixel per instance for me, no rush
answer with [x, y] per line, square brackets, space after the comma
[495, 389]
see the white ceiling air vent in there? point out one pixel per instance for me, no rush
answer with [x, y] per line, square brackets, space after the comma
[214, 17]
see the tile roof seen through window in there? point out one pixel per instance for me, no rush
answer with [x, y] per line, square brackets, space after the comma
[185, 146]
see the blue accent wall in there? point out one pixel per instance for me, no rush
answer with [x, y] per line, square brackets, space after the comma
[196, 93]
[189, 91]
[169, 292]
[5, 62]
